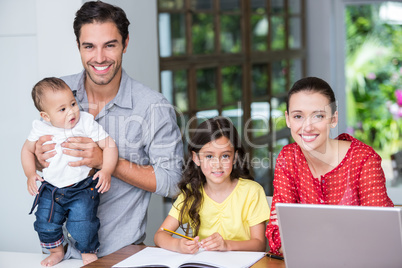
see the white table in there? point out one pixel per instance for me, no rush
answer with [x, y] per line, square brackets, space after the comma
[32, 260]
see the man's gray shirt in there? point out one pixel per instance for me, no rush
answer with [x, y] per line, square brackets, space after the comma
[143, 125]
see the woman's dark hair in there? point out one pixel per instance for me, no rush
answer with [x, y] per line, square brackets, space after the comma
[98, 11]
[193, 179]
[316, 85]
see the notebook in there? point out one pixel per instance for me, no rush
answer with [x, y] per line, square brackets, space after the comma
[158, 257]
[340, 236]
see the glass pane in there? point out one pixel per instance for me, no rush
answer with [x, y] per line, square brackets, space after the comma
[295, 33]
[278, 33]
[230, 34]
[294, 6]
[170, 4]
[261, 165]
[296, 71]
[235, 114]
[278, 113]
[201, 4]
[172, 40]
[206, 88]
[167, 85]
[232, 84]
[259, 80]
[277, 6]
[182, 122]
[260, 119]
[180, 90]
[258, 6]
[259, 32]
[230, 5]
[204, 115]
[203, 34]
[279, 70]
[278, 145]
[174, 88]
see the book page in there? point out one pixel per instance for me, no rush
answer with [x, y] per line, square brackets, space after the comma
[155, 257]
[158, 257]
[226, 259]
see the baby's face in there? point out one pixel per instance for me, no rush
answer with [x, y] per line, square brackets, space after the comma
[60, 108]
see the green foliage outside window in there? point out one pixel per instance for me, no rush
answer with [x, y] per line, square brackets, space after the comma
[373, 75]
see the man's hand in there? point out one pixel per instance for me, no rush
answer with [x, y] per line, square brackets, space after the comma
[87, 149]
[42, 152]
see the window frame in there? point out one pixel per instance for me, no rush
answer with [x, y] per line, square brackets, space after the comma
[246, 59]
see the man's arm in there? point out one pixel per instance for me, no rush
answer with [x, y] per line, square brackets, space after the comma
[140, 176]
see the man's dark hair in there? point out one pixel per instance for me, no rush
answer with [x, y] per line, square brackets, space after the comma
[100, 12]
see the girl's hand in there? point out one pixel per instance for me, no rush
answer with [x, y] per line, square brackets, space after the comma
[32, 187]
[103, 184]
[189, 246]
[214, 242]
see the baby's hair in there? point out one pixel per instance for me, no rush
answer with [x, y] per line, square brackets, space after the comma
[193, 179]
[48, 83]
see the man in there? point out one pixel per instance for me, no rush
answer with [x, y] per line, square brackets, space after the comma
[140, 120]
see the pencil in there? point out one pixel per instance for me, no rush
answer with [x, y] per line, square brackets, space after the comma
[189, 238]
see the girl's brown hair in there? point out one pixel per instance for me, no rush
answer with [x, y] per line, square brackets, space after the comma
[193, 179]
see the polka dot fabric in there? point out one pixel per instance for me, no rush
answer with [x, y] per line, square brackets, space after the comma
[357, 181]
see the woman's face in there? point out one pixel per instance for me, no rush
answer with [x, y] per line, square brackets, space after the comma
[310, 119]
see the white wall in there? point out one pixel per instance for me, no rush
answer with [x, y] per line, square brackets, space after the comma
[37, 40]
[325, 49]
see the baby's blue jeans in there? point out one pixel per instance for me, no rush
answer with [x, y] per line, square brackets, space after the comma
[76, 205]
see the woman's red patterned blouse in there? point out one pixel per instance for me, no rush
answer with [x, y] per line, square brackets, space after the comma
[358, 180]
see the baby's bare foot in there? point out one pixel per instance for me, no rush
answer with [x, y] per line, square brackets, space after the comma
[88, 258]
[54, 258]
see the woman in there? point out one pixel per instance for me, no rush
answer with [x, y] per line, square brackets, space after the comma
[317, 169]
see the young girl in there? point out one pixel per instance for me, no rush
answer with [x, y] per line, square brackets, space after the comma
[317, 169]
[224, 207]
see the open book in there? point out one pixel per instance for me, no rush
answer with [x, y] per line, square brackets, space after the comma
[158, 257]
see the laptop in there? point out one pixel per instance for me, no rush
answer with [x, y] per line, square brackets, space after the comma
[340, 236]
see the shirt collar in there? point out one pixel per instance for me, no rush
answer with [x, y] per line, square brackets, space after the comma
[122, 99]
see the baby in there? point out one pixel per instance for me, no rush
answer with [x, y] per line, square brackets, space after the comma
[67, 194]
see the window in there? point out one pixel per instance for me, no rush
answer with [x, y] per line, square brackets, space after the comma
[235, 58]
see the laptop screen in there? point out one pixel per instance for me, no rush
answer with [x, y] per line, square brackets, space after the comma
[340, 236]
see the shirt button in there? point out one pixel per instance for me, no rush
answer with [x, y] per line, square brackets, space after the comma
[323, 181]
